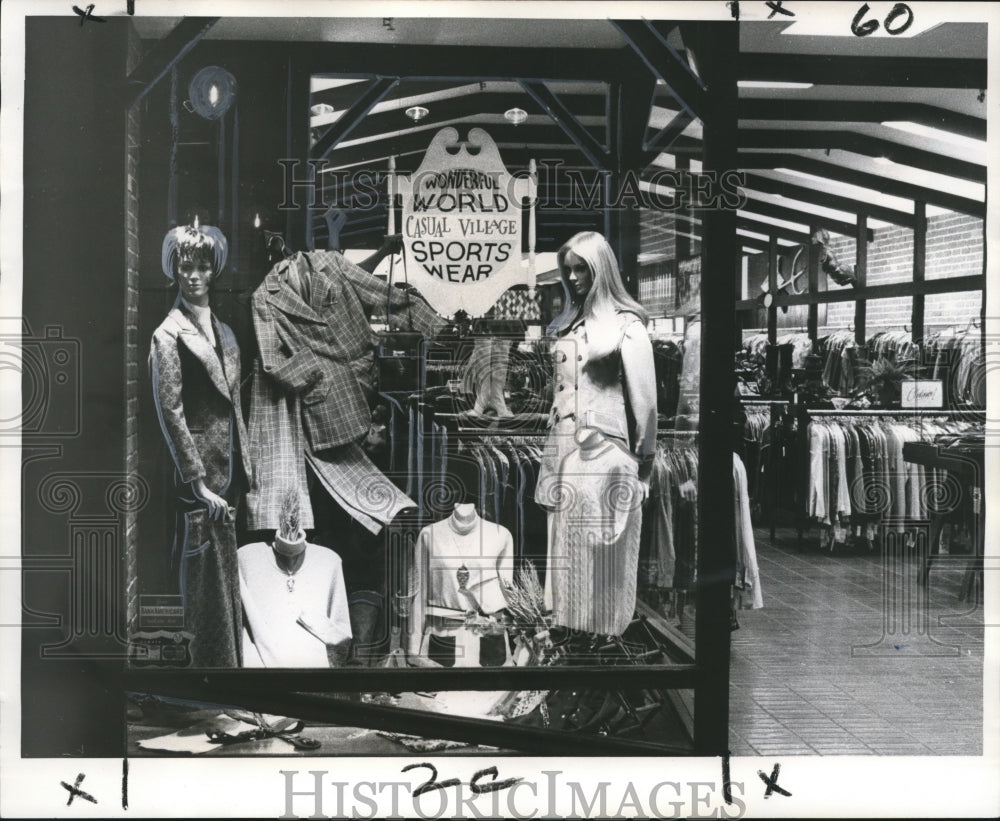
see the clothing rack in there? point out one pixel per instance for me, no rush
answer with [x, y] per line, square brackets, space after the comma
[764, 401]
[894, 412]
[509, 433]
[915, 415]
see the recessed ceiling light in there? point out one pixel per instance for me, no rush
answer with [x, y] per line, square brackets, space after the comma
[771, 84]
[515, 115]
[417, 113]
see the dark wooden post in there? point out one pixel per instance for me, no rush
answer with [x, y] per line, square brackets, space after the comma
[628, 112]
[812, 322]
[772, 289]
[297, 148]
[919, 266]
[718, 61]
[861, 274]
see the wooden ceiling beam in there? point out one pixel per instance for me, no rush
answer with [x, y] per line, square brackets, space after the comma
[417, 141]
[459, 63]
[850, 176]
[343, 96]
[164, 55]
[351, 118]
[649, 42]
[794, 138]
[853, 70]
[771, 230]
[471, 105]
[768, 209]
[769, 185]
[862, 111]
[664, 139]
[591, 146]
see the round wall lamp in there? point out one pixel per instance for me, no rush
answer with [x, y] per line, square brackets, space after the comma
[515, 115]
[321, 109]
[211, 92]
[417, 113]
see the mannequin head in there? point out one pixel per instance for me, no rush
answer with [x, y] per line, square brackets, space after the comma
[192, 256]
[591, 280]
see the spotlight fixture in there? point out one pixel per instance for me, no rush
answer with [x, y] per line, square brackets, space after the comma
[515, 115]
[211, 92]
[417, 113]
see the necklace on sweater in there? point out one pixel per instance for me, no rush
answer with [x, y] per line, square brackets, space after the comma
[290, 581]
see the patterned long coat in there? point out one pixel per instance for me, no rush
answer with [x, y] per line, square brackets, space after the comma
[197, 400]
[196, 389]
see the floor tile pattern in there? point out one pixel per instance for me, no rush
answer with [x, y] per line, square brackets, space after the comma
[851, 655]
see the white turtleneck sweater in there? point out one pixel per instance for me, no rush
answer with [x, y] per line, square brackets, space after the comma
[203, 317]
[484, 548]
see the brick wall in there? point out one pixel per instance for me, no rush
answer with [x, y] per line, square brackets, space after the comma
[954, 248]
[132, 147]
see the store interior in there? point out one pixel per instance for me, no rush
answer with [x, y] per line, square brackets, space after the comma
[802, 216]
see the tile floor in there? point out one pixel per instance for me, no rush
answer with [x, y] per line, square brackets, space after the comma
[820, 670]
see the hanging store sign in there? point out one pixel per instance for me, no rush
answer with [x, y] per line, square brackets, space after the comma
[462, 223]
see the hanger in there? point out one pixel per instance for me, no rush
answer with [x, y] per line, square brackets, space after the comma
[274, 241]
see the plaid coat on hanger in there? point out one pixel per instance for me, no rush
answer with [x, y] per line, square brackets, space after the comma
[316, 340]
[312, 383]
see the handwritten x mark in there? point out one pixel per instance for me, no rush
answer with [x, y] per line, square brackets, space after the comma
[87, 15]
[75, 790]
[772, 782]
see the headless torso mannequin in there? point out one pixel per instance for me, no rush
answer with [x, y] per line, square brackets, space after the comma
[294, 602]
[460, 561]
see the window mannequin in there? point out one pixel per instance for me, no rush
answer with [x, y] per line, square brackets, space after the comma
[194, 363]
[294, 599]
[605, 383]
[459, 564]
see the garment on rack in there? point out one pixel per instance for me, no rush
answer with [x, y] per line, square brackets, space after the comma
[504, 476]
[657, 555]
[668, 360]
[757, 420]
[958, 358]
[839, 351]
[668, 552]
[857, 472]
[747, 579]
[895, 346]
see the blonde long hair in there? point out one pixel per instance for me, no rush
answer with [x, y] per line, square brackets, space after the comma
[606, 299]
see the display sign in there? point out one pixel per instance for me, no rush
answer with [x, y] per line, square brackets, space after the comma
[922, 393]
[462, 223]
